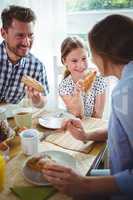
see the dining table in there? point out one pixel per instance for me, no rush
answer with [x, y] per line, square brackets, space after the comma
[87, 156]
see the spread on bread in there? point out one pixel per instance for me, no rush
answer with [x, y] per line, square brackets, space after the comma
[30, 82]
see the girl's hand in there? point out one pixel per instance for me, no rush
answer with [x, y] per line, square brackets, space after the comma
[80, 84]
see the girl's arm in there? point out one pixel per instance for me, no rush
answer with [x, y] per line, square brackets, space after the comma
[99, 105]
[74, 104]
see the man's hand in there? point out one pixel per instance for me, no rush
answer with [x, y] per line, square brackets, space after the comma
[38, 99]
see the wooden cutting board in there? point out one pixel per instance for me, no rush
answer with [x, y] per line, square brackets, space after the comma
[67, 141]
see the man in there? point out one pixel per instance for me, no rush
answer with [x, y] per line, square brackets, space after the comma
[16, 60]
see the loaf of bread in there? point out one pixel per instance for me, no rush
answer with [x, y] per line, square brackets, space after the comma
[88, 80]
[30, 82]
[39, 163]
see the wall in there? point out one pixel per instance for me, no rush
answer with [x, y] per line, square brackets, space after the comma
[81, 22]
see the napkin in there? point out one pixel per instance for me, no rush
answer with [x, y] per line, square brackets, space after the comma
[33, 193]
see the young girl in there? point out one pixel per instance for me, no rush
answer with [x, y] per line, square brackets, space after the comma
[91, 103]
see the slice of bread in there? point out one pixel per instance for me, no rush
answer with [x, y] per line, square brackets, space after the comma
[88, 80]
[30, 82]
[39, 163]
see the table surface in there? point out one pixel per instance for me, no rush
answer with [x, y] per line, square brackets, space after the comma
[85, 161]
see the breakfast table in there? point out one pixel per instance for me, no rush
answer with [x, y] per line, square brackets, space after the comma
[87, 156]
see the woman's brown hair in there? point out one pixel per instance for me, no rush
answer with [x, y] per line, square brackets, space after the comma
[112, 39]
[68, 45]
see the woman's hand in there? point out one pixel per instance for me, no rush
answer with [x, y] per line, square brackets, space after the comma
[64, 179]
[68, 181]
[75, 127]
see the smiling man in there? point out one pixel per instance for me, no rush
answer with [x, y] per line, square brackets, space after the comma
[15, 57]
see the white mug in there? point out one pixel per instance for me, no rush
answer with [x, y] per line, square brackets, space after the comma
[29, 141]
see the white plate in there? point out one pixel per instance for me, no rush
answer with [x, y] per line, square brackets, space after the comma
[51, 122]
[36, 178]
[10, 109]
[54, 120]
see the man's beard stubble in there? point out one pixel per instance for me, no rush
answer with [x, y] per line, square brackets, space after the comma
[14, 50]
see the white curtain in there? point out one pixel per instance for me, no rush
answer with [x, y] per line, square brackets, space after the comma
[50, 31]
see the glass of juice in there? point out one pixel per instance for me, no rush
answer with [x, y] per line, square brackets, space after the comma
[2, 172]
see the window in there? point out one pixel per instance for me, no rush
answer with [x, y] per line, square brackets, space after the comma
[81, 15]
[86, 5]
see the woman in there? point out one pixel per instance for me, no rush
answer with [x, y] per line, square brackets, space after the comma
[111, 44]
[90, 103]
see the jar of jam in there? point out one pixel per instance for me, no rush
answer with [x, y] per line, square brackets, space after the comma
[5, 130]
[2, 172]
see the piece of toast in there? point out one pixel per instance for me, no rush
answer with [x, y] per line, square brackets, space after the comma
[39, 163]
[30, 82]
[88, 80]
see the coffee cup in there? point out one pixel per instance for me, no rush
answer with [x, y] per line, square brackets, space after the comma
[29, 141]
[23, 119]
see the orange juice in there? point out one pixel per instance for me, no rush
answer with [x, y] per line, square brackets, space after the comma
[2, 172]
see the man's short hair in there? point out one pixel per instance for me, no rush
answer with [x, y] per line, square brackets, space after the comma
[20, 13]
